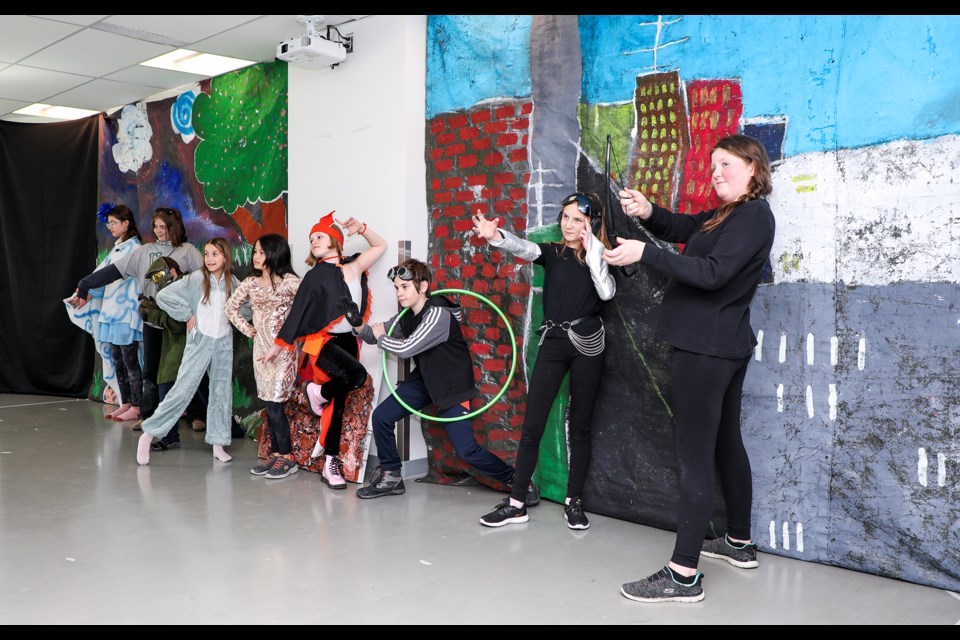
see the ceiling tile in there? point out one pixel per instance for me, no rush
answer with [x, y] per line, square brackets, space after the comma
[153, 77]
[102, 95]
[183, 28]
[6, 106]
[21, 36]
[35, 85]
[95, 53]
[80, 20]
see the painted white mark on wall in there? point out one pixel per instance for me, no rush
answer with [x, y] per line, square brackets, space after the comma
[779, 398]
[786, 536]
[810, 349]
[756, 352]
[133, 149]
[834, 347]
[832, 401]
[862, 354]
[783, 348]
[922, 466]
[941, 470]
[773, 534]
[809, 401]
[799, 537]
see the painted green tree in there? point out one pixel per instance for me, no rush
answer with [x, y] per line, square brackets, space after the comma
[242, 154]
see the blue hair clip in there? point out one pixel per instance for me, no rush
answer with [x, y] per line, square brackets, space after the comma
[102, 212]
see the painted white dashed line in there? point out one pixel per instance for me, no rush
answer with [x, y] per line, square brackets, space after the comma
[757, 353]
[922, 466]
[862, 354]
[779, 398]
[834, 348]
[783, 348]
[809, 401]
[810, 349]
[832, 401]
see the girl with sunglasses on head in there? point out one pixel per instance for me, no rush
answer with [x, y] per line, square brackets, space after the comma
[171, 242]
[576, 282]
[318, 321]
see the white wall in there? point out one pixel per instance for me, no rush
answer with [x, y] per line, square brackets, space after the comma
[357, 145]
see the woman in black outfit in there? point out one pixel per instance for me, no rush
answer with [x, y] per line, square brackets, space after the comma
[575, 283]
[705, 317]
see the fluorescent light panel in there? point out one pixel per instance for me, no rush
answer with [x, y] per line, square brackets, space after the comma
[53, 111]
[201, 64]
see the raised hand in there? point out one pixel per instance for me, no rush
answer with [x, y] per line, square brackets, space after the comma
[484, 228]
[352, 225]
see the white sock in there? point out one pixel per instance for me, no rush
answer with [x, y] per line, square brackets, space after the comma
[220, 454]
[143, 448]
[516, 503]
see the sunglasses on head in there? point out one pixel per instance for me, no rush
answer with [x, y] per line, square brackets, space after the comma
[584, 205]
[400, 272]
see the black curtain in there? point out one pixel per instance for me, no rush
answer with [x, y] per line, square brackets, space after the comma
[48, 208]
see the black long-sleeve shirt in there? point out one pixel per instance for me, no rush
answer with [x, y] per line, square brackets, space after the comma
[706, 304]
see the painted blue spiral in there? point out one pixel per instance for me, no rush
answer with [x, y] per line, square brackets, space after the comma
[181, 113]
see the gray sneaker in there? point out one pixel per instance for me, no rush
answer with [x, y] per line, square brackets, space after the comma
[661, 587]
[264, 466]
[384, 483]
[743, 556]
[282, 467]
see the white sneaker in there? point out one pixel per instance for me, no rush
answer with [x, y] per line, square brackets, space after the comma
[331, 474]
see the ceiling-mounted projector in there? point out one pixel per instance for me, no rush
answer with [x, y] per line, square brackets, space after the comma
[312, 49]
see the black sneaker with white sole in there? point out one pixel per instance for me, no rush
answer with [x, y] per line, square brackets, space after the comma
[264, 466]
[505, 513]
[385, 482]
[739, 555]
[574, 515]
[282, 468]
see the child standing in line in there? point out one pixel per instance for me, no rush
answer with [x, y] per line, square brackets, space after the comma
[199, 300]
[271, 291]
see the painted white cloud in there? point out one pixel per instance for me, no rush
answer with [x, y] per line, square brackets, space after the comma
[134, 132]
[871, 216]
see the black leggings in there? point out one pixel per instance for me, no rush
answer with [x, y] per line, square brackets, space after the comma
[556, 357]
[126, 363]
[152, 347]
[279, 428]
[706, 405]
[339, 359]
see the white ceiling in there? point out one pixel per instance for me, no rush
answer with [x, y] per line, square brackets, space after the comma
[93, 62]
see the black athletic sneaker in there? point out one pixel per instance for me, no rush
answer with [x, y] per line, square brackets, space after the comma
[532, 498]
[384, 483]
[661, 587]
[164, 445]
[505, 513]
[743, 556]
[264, 466]
[574, 515]
[282, 468]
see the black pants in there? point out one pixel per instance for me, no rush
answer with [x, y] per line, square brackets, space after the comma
[152, 345]
[706, 405]
[556, 357]
[339, 359]
[279, 428]
[126, 363]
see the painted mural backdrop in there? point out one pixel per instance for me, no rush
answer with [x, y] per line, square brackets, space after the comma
[218, 153]
[851, 410]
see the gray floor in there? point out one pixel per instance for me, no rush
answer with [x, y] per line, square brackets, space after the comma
[90, 537]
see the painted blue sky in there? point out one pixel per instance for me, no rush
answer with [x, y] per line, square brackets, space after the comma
[842, 81]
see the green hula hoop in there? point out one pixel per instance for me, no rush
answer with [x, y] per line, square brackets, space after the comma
[472, 414]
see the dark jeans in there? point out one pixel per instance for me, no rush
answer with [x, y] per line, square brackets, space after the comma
[414, 393]
[706, 407]
[339, 359]
[126, 362]
[556, 357]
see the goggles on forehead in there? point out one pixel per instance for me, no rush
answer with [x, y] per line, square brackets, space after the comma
[400, 272]
[584, 205]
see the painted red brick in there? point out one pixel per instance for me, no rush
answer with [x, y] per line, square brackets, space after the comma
[435, 260]
[481, 116]
[481, 286]
[506, 139]
[480, 145]
[463, 225]
[454, 284]
[452, 244]
[525, 139]
[518, 155]
[495, 299]
[480, 207]
[502, 178]
[458, 121]
[477, 180]
[505, 111]
[506, 271]
[489, 389]
[476, 241]
[480, 317]
[469, 270]
[503, 206]
[455, 149]
[479, 258]
[492, 333]
[480, 348]
[499, 285]
[469, 133]
[464, 196]
[446, 138]
[494, 365]
[469, 333]
[519, 289]
[468, 161]
[469, 302]
[494, 157]
[452, 260]
[455, 211]
[487, 270]
[443, 165]
[520, 224]
[496, 256]
[441, 230]
[518, 124]
[517, 420]
[438, 125]
[492, 192]
[515, 394]
[516, 309]
[453, 182]
[495, 127]
[436, 153]
[443, 197]
[439, 275]
[503, 350]
[526, 108]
